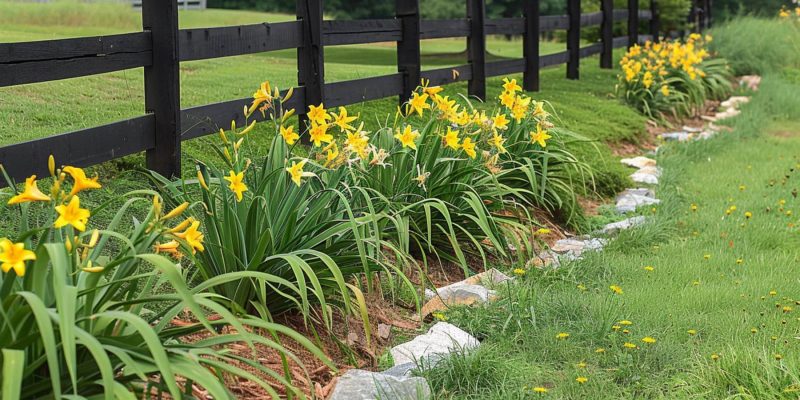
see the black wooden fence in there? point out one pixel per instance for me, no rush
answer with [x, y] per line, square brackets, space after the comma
[161, 46]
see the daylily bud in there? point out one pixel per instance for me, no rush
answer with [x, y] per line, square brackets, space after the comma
[156, 206]
[238, 144]
[68, 245]
[89, 268]
[201, 180]
[287, 115]
[248, 129]
[176, 211]
[233, 125]
[51, 165]
[94, 238]
[223, 136]
[227, 154]
[183, 225]
[288, 96]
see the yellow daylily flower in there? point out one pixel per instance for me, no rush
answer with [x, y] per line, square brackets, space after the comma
[31, 193]
[500, 121]
[540, 136]
[511, 85]
[237, 185]
[289, 135]
[13, 256]
[193, 237]
[497, 141]
[451, 139]
[319, 134]
[507, 99]
[296, 171]
[80, 181]
[262, 95]
[357, 142]
[469, 147]
[72, 214]
[342, 120]
[407, 137]
[419, 103]
[318, 114]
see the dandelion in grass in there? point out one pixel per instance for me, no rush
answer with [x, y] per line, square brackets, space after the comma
[629, 345]
[542, 231]
[648, 268]
[439, 316]
[773, 292]
[581, 380]
[694, 207]
[540, 390]
[519, 271]
[748, 215]
[648, 340]
[787, 309]
[581, 365]
[754, 330]
[615, 289]
[13, 256]
[739, 261]
[581, 287]
[692, 332]
[625, 322]
[778, 357]
[742, 188]
[626, 331]
[714, 356]
[706, 256]
[30, 193]
[615, 327]
[72, 214]
[599, 350]
[562, 336]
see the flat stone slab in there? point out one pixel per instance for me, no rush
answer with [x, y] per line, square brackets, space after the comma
[616, 227]
[647, 175]
[630, 202]
[691, 129]
[358, 384]
[646, 192]
[442, 338]
[735, 101]
[676, 136]
[638, 162]
[489, 278]
[729, 113]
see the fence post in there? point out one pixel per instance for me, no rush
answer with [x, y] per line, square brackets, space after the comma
[162, 86]
[574, 39]
[607, 34]
[709, 19]
[408, 47]
[692, 19]
[633, 22]
[530, 46]
[310, 58]
[476, 47]
[655, 21]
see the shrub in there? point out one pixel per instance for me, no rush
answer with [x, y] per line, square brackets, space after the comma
[672, 77]
[89, 312]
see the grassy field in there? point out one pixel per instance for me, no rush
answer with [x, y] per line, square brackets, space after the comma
[717, 292]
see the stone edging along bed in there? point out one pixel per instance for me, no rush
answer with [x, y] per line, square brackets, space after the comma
[442, 339]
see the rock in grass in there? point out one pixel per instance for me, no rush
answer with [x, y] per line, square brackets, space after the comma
[443, 338]
[489, 278]
[632, 199]
[735, 101]
[358, 384]
[646, 175]
[676, 136]
[615, 227]
[691, 129]
[638, 162]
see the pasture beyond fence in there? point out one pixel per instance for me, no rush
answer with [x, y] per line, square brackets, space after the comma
[161, 46]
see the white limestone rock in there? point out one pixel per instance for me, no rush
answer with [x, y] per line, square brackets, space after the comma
[638, 162]
[442, 338]
[646, 175]
[358, 384]
[616, 227]
[735, 101]
[676, 136]
[629, 202]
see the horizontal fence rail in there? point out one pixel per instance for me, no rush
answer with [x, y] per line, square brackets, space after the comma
[42, 61]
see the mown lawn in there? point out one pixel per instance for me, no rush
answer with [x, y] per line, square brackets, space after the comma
[718, 292]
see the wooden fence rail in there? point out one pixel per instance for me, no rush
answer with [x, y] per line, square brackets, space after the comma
[161, 46]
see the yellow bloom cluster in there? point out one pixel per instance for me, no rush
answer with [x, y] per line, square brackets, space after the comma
[786, 13]
[650, 65]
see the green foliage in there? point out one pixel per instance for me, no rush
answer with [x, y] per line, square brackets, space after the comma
[89, 314]
[758, 45]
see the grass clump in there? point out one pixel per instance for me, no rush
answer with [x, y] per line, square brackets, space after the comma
[758, 45]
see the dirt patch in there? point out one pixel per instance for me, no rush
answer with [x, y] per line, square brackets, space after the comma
[784, 133]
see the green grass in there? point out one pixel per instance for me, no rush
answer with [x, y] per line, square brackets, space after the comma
[758, 45]
[717, 297]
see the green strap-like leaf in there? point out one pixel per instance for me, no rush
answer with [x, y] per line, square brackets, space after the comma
[13, 366]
